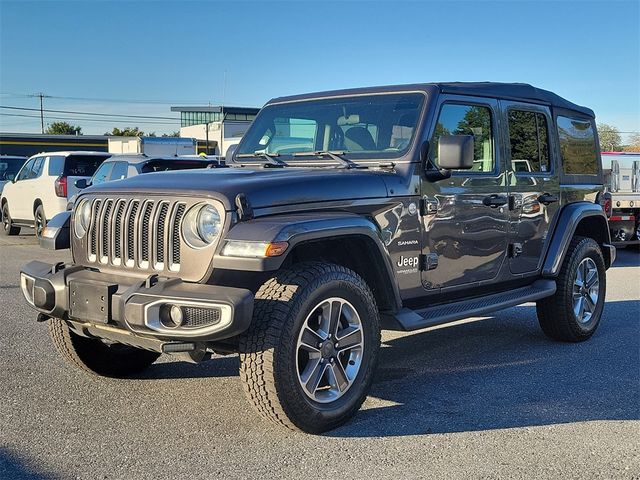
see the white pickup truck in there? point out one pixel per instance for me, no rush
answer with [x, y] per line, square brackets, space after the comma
[622, 204]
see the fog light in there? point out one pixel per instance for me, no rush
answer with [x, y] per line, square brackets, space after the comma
[171, 316]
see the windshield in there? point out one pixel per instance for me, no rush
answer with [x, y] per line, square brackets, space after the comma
[372, 126]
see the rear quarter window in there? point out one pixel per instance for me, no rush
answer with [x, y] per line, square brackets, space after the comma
[82, 165]
[577, 146]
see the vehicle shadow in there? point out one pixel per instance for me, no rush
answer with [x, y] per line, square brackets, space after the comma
[219, 366]
[503, 373]
[13, 467]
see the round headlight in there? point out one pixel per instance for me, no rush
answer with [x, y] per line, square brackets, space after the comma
[202, 225]
[82, 218]
[209, 224]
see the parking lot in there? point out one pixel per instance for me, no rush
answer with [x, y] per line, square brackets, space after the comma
[477, 399]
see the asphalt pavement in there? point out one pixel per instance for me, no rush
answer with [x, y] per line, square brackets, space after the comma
[477, 399]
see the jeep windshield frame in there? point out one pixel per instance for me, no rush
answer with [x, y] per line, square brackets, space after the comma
[376, 127]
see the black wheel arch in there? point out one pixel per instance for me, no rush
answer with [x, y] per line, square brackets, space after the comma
[583, 219]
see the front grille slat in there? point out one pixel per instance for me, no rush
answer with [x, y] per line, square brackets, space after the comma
[139, 233]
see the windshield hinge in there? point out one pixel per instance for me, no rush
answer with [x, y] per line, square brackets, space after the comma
[243, 207]
[428, 206]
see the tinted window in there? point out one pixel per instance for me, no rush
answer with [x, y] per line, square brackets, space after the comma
[82, 165]
[467, 120]
[36, 169]
[102, 174]
[577, 146]
[26, 170]
[164, 165]
[56, 166]
[9, 167]
[119, 171]
[529, 142]
[369, 126]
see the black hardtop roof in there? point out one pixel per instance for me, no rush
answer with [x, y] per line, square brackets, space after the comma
[509, 91]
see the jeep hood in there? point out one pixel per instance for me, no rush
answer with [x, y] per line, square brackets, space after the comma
[263, 187]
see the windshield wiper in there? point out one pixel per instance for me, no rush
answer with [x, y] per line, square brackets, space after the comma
[269, 157]
[337, 156]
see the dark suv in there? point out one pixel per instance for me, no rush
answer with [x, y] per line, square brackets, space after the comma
[343, 213]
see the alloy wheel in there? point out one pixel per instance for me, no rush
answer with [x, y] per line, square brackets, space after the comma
[586, 288]
[329, 350]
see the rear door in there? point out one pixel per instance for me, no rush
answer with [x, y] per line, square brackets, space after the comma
[532, 182]
[467, 226]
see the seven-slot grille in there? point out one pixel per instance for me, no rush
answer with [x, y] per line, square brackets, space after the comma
[136, 233]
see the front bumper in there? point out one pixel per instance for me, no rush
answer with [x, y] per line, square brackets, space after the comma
[134, 307]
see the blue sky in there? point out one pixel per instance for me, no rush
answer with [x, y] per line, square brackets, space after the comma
[101, 54]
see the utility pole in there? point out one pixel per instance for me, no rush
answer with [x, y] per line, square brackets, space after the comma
[41, 96]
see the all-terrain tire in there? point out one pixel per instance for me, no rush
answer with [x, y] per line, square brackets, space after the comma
[7, 226]
[96, 357]
[269, 350]
[556, 313]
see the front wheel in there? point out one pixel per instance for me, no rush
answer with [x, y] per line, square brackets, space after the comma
[7, 224]
[308, 358]
[573, 313]
[97, 357]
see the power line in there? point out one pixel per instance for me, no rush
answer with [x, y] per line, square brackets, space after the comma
[77, 119]
[92, 113]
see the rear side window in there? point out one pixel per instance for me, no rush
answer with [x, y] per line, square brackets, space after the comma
[467, 120]
[26, 170]
[529, 142]
[82, 165]
[577, 146]
[164, 165]
[36, 169]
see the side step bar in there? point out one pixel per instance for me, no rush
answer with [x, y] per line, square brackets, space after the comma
[439, 314]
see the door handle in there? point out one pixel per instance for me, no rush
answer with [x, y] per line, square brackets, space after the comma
[494, 201]
[547, 198]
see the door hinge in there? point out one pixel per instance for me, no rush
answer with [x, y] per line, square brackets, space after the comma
[428, 206]
[515, 250]
[428, 261]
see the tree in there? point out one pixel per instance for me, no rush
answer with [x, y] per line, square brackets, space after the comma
[634, 143]
[125, 132]
[172, 134]
[62, 128]
[609, 138]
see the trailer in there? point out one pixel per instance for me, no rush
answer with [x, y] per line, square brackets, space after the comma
[622, 199]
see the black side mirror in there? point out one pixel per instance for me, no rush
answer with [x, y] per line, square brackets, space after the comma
[431, 171]
[81, 183]
[455, 152]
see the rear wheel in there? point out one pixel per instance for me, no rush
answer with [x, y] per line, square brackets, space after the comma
[97, 357]
[573, 313]
[7, 226]
[39, 221]
[308, 358]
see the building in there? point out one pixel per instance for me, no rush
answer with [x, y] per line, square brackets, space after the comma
[220, 126]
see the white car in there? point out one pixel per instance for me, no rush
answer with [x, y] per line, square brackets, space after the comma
[43, 186]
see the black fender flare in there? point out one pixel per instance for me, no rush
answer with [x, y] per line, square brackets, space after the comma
[296, 229]
[565, 228]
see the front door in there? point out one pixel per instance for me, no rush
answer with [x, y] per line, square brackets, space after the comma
[532, 183]
[465, 221]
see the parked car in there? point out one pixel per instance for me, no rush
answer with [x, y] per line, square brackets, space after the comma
[119, 167]
[42, 187]
[10, 165]
[343, 213]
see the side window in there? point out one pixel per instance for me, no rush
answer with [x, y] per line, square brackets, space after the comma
[26, 170]
[119, 171]
[56, 166]
[36, 169]
[529, 142]
[577, 146]
[102, 174]
[473, 120]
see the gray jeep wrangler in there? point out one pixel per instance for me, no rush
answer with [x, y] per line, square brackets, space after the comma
[342, 213]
